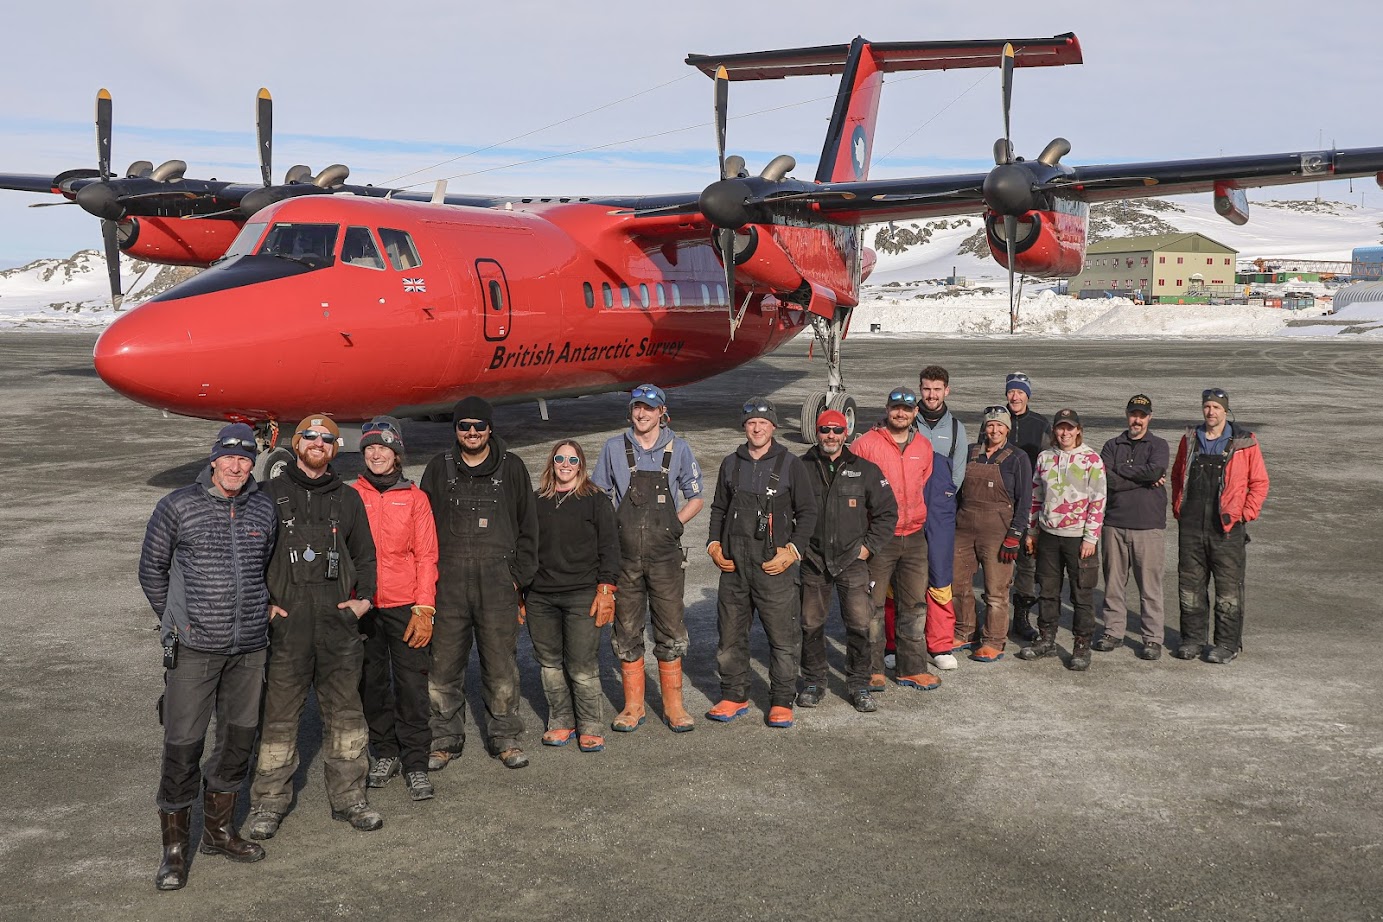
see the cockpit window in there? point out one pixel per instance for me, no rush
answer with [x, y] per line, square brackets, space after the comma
[398, 246]
[315, 242]
[245, 241]
[358, 249]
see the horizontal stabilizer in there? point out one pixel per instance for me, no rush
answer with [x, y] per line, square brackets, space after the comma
[892, 56]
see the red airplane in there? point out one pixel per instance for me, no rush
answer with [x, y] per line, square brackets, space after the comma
[530, 298]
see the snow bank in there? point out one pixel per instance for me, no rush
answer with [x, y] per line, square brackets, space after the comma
[71, 292]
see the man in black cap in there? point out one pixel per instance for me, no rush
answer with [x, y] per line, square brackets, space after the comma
[1219, 485]
[1031, 432]
[487, 539]
[763, 514]
[202, 569]
[1135, 528]
[321, 583]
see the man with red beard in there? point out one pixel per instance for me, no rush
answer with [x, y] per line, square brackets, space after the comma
[321, 582]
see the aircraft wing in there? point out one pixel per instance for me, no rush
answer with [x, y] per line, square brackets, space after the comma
[876, 200]
[29, 182]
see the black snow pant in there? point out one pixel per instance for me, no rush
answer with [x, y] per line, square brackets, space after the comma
[1203, 553]
[316, 646]
[779, 603]
[856, 610]
[1057, 555]
[393, 688]
[197, 684]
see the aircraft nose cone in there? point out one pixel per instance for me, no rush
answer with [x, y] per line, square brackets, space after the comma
[723, 203]
[99, 199]
[1008, 189]
[138, 356]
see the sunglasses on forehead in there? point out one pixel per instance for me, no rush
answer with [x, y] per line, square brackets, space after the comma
[471, 425]
[237, 443]
[831, 430]
[753, 407]
[1213, 393]
[996, 408]
[566, 459]
[906, 398]
[378, 427]
[645, 392]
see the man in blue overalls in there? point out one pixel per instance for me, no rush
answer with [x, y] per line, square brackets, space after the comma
[947, 436]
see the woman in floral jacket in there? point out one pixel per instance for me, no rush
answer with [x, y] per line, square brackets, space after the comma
[1067, 513]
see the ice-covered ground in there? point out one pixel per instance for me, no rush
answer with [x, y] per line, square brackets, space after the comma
[67, 292]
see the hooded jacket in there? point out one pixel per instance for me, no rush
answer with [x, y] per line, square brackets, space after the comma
[1245, 485]
[202, 566]
[1068, 493]
[906, 469]
[405, 543]
[484, 511]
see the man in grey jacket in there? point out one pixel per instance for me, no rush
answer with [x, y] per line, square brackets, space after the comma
[202, 568]
[1135, 528]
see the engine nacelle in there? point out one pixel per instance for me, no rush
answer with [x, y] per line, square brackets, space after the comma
[764, 267]
[175, 242]
[1231, 203]
[1049, 244]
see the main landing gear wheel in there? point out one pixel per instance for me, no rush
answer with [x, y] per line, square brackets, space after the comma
[811, 409]
[272, 463]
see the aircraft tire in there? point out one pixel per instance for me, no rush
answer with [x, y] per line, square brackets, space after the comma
[811, 409]
[272, 463]
[844, 403]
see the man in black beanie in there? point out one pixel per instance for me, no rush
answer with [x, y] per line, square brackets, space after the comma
[487, 539]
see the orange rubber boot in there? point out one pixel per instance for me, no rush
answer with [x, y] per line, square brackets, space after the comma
[670, 680]
[632, 717]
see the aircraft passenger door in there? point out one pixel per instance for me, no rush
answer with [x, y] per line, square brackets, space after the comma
[494, 298]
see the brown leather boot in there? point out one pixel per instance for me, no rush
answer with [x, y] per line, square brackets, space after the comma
[218, 829]
[670, 680]
[632, 717]
[172, 871]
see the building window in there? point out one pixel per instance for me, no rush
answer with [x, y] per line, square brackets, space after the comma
[1178, 283]
[1145, 262]
[1210, 260]
[1161, 259]
[1161, 282]
[1179, 262]
[1226, 260]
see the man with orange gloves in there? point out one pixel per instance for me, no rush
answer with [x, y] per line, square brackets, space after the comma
[763, 514]
[906, 460]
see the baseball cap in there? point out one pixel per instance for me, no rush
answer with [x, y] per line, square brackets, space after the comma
[902, 397]
[650, 395]
[1068, 416]
[1140, 403]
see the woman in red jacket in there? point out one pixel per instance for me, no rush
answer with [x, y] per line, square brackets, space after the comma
[393, 685]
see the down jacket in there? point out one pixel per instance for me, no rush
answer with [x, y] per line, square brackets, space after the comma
[1245, 479]
[405, 543]
[906, 469]
[203, 563]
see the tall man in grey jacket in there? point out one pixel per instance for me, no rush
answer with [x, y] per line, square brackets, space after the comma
[202, 568]
[1135, 528]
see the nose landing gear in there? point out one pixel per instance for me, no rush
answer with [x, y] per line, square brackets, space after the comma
[829, 333]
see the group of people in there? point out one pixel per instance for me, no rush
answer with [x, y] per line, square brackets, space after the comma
[374, 592]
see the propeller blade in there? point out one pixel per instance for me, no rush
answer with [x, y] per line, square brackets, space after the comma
[108, 234]
[103, 122]
[211, 214]
[50, 204]
[1064, 182]
[722, 96]
[1006, 71]
[808, 197]
[264, 133]
[927, 197]
[687, 207]
[1011, 231]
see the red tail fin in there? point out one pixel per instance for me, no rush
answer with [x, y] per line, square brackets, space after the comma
[850, 139]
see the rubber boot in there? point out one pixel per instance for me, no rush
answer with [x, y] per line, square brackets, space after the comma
[670, 680]
[219, 836]
[1080, 655]
[1022, 618]
[1044, 645]
[632, 717]
[172, 872]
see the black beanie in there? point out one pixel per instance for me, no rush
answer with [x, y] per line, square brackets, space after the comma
[472, 408]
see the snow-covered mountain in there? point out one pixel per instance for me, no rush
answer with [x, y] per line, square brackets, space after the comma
[913, 257]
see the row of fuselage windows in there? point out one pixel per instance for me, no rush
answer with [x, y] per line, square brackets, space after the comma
[359, 246]
[659, 294]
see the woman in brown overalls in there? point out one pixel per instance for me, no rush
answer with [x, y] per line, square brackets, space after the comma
[991, 520]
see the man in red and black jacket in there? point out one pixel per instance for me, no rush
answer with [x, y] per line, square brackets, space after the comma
[1219, 484]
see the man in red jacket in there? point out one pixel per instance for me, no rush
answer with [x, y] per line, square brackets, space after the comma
[906, 461]
[398, 630]
[1219, 483]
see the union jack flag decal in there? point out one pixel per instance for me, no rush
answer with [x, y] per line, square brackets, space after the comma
[415, 285]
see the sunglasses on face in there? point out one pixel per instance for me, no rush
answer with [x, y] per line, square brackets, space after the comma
[312, 435]
[566, 459]
[378, 427]
[472, 426]
[238, 443]
[831, 430]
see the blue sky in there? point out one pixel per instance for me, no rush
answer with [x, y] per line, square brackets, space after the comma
[428, 82]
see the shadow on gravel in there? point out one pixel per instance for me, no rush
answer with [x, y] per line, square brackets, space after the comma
[74, 371]
[179, 476]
